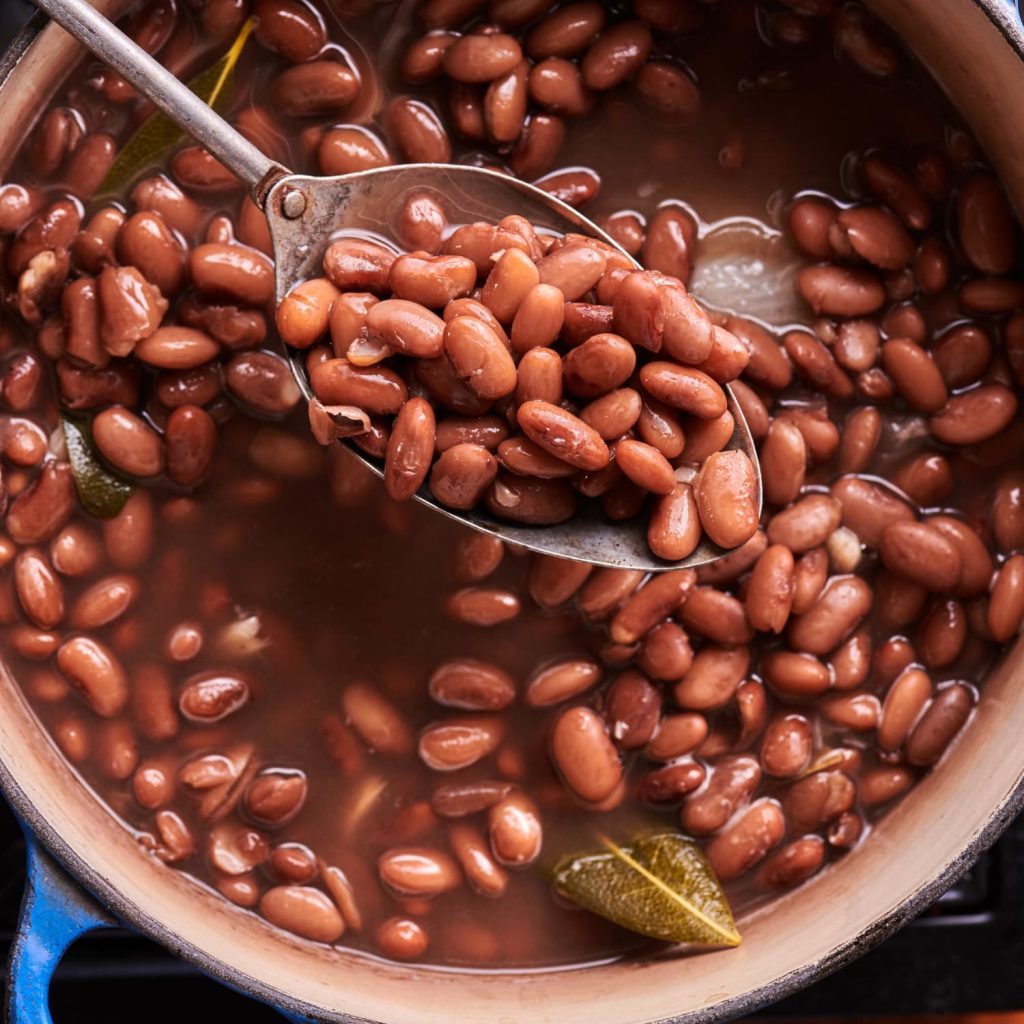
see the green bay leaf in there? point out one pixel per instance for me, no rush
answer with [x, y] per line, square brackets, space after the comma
[158, 133]
[660, 885]
[100, 493]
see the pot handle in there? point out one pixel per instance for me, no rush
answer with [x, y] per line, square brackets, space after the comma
[54, 912]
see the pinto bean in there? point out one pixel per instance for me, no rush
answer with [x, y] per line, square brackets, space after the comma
[903, 705]
[783, 462]
[943, 633]
[378, 723]
[726, 498]
[974, 416]
[838, 611]
[534, 502]
[867, 508]
[649, 604]
[417, 131]
[807, 524]
[602, 363]
[1006, 603]
[985, 225]
[977, 562]
[481, 58]
[515, 831]
[480, 358]
[939, 724]
[787, 745]
[731, 783]
[840, 291]
[746, 842]
[462, 475]
[921, 554]
[818, 798]
[459, 742]
[795, 675]
[674, 529]
[770, 591]
[617, 54]
[418, 872]
[915, 374]
[713, 677]
[585, 755]
[716, 615]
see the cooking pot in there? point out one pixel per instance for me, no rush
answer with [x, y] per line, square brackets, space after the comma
[975, 48]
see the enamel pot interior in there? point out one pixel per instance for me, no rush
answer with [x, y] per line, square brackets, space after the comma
[916, 852]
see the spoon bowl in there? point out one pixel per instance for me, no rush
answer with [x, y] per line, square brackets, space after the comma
[307, 213]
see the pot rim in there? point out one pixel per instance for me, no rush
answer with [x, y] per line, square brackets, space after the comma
[1005, 17]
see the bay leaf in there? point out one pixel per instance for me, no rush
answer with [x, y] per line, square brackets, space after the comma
[158, 133]
[101, 493]
[660, 885]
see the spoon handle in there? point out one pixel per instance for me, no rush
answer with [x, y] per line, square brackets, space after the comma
[176, 100]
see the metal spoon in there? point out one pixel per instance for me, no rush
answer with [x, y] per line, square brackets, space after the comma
[305, 212]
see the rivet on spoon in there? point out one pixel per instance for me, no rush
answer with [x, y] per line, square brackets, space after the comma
[293, 204]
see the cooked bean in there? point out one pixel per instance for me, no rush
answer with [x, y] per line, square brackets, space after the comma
[471, 685]
[481, 58]
[915, 374]
[600, 364]
[314, 87]
[515, 831]
[378, 723]
[985, 225]
[770, 592]
[921, 554]
[479, 357]
[417, 131]
[795, 675]
[585, 756]
[783, 462]
[839, 291]
[39, 590]
[731, 783]
[410, 449]
[650, 604]
[818, 798]
[472, 852]
[746, 842]
[838, 611]
[303, 910]
[943, 632]
[561, 681]
[127, 442]
[103, 602]
[482, 606]
[533, 502]
[974, 416]
[903, 705]
[617, 54]
[787, 746]
[459, 742]
[1006, 603]
[939, 724]
[96, 673]
[462, 475]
